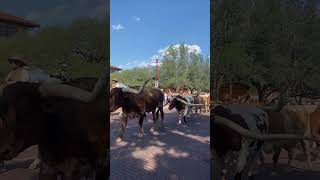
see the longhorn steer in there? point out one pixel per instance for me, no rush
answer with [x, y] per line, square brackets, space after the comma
[226, 140]
[297, 119]
[197, 100]
[182, 105]
[135, 104]
[205, 99]
[241, 128]
[68, 124]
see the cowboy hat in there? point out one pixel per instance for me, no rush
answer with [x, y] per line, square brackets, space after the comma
[18, 59]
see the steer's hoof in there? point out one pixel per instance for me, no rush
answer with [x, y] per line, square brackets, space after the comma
[118, 140]
[152, 129]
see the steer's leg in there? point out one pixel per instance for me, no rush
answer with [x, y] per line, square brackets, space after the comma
[306, 151]
[290, 155]
[185, 114]
[179, 112]
[217, 166]
[242, 160]
[275, 158]
[252, 161]
[261, 157]
[101, 170]
[162, 114]
[46, 172]
[140, 126]
[158, 114]
[124, 121]
[154, 117]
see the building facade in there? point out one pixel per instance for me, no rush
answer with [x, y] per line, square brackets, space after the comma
[10, 25]
[114, 69]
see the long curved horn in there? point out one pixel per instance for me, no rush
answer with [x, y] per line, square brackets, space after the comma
[252, 135]
[189, 104]
[130, 90]
[67, 91]
[144, 84]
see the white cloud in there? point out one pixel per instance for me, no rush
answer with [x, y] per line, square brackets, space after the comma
[163, 51]
[151, 62]
[135, 18]
[117, 27]
[135, 63]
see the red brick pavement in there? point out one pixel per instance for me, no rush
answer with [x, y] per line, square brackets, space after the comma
[177, 152]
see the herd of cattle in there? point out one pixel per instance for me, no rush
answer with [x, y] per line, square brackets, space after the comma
[243, 128]
[137, 103]
[68, 123]
[263, 129]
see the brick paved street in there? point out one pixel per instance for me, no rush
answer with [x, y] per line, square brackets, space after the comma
[174, 152]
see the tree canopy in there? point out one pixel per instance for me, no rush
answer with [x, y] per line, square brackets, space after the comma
[80, 46]
[180, 68]
[267, 44]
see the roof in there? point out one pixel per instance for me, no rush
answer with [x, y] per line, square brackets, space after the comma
[116, 68]
[4, 17]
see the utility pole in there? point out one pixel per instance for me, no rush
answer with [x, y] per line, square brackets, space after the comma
[156, 83]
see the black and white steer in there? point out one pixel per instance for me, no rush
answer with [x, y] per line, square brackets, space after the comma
[183, 106]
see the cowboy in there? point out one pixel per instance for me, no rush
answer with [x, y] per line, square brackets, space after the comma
[22, 73]
[19, 70]
[117, 84]
[18, 73]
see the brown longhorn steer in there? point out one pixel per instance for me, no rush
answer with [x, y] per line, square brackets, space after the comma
[68, 124]
[135, 104]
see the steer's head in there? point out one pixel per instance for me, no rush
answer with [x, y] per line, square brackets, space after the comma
[117, 98]
[175, 102]
[19, 118]
[172, 103]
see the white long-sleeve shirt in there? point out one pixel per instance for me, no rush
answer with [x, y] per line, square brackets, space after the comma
[19, 74]
[25, 74]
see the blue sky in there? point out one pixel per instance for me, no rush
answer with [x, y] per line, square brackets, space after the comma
[140, 28]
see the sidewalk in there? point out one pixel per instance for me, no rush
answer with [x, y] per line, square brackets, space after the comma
[176, 152]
